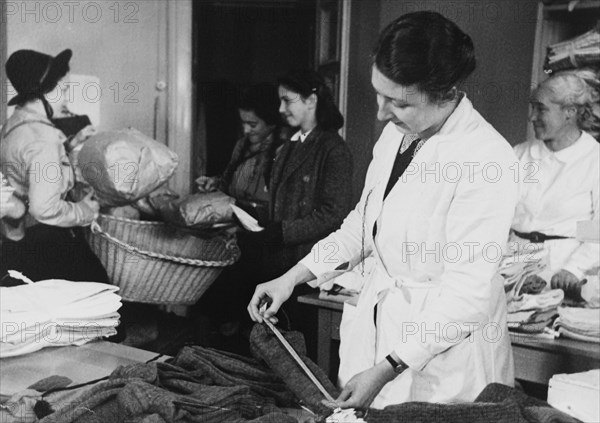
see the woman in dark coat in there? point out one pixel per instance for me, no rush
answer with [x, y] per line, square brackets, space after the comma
[246, 177]
[310, 193]
[310, 188]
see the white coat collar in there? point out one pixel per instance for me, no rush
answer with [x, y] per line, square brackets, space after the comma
[457, 121]
[572, 153]
[300, 136]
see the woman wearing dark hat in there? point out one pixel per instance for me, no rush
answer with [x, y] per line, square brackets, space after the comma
[48, 242]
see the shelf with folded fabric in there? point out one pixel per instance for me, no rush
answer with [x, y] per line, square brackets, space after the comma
[558, 21]
[537, 358]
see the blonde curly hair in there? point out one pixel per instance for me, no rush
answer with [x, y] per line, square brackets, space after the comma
[579, 88]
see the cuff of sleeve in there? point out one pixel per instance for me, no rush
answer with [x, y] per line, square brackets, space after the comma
[311, 265]
[87, 214]
[413, 354]
[320, 261]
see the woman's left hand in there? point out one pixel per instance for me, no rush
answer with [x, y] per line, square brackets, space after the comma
[271, 235]
[361, 390]
[82, 135]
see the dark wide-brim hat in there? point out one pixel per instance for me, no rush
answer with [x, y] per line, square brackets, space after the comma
[32, 73]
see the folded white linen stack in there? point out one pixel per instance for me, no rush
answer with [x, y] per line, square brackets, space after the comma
[582, 324]
[56, 313]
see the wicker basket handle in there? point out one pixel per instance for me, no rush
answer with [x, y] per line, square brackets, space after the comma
[97, 229]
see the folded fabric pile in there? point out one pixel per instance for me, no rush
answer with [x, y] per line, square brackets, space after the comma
[164, 393]
[582, 324]
[265, 346]
[530, 305]
[496, 403]
[580, 51]
[520, 274]
[532, 313]
[198, 385]
[55, 313]
[205, 385]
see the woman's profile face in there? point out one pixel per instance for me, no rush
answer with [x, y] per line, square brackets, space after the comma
[255, 128]
[295, 109]
[408, 108]
[549, 119]
[58, 98]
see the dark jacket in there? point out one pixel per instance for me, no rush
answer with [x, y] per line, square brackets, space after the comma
[311, 194]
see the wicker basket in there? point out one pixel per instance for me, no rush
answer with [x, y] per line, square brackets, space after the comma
[154, 263]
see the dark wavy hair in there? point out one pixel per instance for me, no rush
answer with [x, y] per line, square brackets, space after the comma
[426, 50]
[306, 82]
[263, 100]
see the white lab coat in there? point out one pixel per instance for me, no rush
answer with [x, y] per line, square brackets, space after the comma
[558, 189]
[438, 244]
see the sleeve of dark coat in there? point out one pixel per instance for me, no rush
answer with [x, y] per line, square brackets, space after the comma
[227, 175]
[332, 201]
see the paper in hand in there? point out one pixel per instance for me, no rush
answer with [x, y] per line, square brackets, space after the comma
[247, 221]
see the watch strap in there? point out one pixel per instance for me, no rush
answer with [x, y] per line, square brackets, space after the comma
[398, 366]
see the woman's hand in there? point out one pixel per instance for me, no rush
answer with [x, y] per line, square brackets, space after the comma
[81, 136]
[271, 235]
[274, 293]
[10, 206]
[6, 204]
[568, 282]
[361, 390]
[206, 184]
[89, 202]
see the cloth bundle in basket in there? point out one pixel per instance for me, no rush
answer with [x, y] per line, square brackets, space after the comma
[124, 165]
[155, 263]
[197, 210]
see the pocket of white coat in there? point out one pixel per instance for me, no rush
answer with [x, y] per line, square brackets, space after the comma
[349, 314]
[400, 310]
[350, 361]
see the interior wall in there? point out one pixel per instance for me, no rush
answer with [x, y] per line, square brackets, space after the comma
[239, 45]
[123, 43]
[3, 81]
[362, 129]
[503, 33]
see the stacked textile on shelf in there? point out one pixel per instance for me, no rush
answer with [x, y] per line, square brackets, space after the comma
[531, 306]
[532, 313]
[55, 313]
[580, 51]
[582, 324]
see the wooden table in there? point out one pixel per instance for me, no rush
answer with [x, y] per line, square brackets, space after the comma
[80, 364]
[536, 358]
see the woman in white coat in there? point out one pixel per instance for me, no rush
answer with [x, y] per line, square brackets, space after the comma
[560, 180]
[435, 212]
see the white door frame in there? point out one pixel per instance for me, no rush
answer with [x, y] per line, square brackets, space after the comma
[180, 93]
[346, 16]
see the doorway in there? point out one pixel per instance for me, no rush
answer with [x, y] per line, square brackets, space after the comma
[237, 44]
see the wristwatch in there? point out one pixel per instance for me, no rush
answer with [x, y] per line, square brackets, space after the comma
[398, 366]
